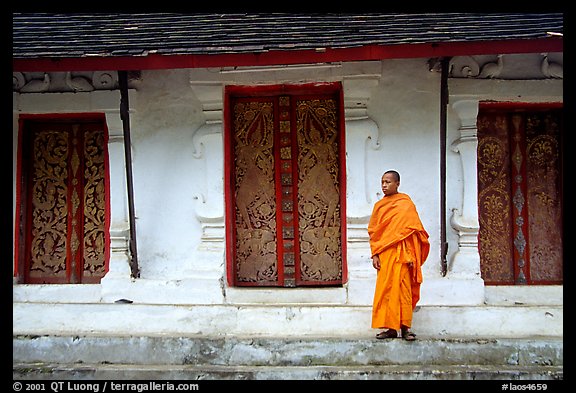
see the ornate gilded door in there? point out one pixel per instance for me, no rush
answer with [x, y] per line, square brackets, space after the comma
[520, 195]
[63, 207]
[285, 195]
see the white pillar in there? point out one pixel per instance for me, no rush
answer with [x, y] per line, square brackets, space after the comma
[466, 261]
[210, 200]
[362, 133]
[118, 274]
[209, 268]
[209, 148]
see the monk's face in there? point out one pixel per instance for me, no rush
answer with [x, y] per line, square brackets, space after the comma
[389, 184]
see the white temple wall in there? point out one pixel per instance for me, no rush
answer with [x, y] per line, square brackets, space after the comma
[392, 122]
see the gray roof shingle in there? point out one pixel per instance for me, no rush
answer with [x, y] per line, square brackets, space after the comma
[54, 35]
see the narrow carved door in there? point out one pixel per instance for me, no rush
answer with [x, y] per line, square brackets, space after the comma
[520, 195]
[63, 208]
[286, 191]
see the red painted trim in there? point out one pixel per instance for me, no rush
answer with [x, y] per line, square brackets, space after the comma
[343, 184]
[286, 57]
[228, 187]
[107, 196]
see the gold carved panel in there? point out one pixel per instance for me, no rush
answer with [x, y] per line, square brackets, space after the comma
[255, 202]
[94, 204]
[544, 196]
[519, 196]
[66, 227]
[319, 217]
[50, 198]
[285, 191]
[494, 200]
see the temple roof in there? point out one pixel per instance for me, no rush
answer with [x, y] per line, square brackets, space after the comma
[81, 35]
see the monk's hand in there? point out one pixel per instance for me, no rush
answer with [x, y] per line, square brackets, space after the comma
[376, 262]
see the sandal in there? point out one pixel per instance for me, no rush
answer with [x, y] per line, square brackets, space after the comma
[390, 333]
[407, 334]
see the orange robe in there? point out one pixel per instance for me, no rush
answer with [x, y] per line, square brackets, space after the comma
[401, 243]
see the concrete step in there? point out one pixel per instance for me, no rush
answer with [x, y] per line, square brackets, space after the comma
[204, 357]
[295, 320]
[116, 372]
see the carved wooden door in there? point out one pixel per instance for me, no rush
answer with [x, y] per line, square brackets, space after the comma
[520, 195]
[63, 201]
[286, 191]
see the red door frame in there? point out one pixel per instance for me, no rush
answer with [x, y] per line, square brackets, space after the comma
[523, 106]
[21, 214]
[276, 90]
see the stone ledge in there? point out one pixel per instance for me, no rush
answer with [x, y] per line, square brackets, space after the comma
[292, 320]
[286, 351]
[195, 374]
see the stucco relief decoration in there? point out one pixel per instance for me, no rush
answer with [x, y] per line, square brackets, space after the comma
[207, 147]
[63, 82]
[104, 79]
[510, 66]
[318, 193]
[256, 255]
[464, 67]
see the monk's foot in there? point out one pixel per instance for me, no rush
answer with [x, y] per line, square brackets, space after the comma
[407, 334]
[390, 333]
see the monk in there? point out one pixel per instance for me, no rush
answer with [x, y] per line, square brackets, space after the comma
[399, 245]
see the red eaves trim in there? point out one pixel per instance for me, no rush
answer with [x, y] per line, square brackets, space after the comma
[321, 55]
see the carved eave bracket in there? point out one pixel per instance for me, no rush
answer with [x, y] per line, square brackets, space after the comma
[508, 66]
[66, 82]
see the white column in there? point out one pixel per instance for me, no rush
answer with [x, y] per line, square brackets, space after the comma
[209, 268]
[462, 284]
[119, 265]
[208, 145]
[210, 199]
[466, 261]
[362, 133]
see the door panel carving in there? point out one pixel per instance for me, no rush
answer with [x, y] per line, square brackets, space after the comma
[318, 191]
[255, 203]
[286, 197]
[544, 197]
[65, 222]
[520, 203]
[494, 199]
